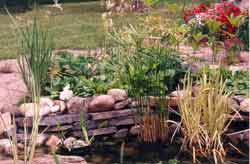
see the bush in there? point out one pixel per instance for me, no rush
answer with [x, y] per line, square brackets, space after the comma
[243, 33]
[72, 71]
[150, 71]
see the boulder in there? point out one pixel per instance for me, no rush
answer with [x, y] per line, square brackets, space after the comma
[101, 103]
[233, 104]
[122, 133]
[46, 102]
[51, 120]
[135, 130]
[5, 146]
[46, 107]
[239, 99]
[49, 159]
[13, 109]
[118, 94]
[53, 142]
[69, 142]
[127, 120]
[122, 104]
[78, 104]
[96, 132]
[62, 160]
[245, 105]
[244, 56]
[111, 114]
[28, 109]
[5, 122]
[61, 105]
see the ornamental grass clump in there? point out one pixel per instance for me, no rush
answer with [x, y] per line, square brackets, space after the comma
[204, 117]
[34, 63]
[35, 58]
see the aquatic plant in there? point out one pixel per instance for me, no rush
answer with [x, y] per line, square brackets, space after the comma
[36, 47]
[204, 117]
[84, 129]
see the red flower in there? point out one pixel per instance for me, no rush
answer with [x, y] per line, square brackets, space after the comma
[195, 10]
[218, 11]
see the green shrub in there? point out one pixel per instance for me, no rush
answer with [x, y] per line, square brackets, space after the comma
[243, 33]
[150, 71]
[76, 72]
[237, 82]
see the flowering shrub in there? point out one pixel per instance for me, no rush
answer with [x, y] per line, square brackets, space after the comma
[217, 26]
[218, 11]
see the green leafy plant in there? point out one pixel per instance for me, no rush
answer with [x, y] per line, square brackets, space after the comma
[243, 32]
[149, 69]
[237, 82]
[85, 130]
[36, 47]
[77, 72]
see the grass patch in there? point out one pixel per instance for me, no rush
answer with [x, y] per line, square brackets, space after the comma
[78, 26]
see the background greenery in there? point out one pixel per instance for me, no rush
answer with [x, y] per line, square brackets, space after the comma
[78, 26]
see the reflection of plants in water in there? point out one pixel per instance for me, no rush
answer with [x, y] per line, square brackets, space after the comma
[204, 117]
[152, 115]
[152, 119]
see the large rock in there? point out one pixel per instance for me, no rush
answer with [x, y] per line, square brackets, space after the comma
[245, 105]
[122, 104]
[51, 120]
[96, 132]
[46, 107]
[111, 114]
[122, 133]
[69, 142]
[101, 103]
[53, 142]
[118, 94]
[12, 90]
[5, 146]
[49, 159]
[62, 160]
[5, 122]
[61, 104]
[135, 130]
[244, 56]
[28, 110]
[128, 120]
[78, 104]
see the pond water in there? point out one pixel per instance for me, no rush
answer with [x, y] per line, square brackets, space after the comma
[135, 152]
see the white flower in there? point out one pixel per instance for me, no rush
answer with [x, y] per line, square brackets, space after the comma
[66, 94]
[234, 69]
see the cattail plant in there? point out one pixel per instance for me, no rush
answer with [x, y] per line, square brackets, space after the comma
[34, 63]
[35, 58]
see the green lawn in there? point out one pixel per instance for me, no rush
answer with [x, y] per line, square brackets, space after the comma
[78, 26]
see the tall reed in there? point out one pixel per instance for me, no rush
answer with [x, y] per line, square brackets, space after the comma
[34, 63]
[36, 45]
[204, 117]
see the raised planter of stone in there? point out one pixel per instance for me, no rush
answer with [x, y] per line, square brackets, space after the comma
[111, 115]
